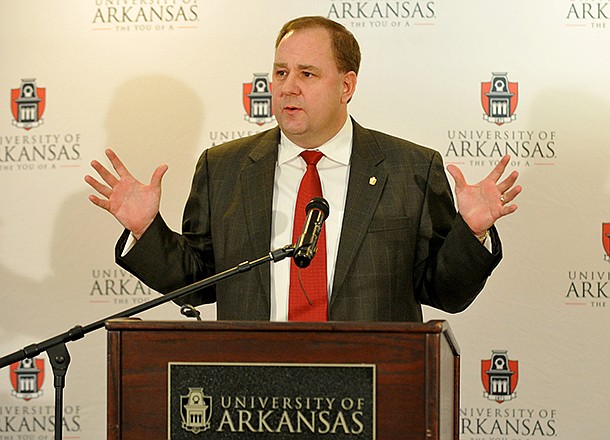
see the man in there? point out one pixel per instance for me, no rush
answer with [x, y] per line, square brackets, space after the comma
[394, 240]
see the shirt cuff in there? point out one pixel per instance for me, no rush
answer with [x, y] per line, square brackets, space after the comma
[129, 244]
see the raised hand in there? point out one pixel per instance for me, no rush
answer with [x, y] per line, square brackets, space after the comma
[481, 204]
[132, 203]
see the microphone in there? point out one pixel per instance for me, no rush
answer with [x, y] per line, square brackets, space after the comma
[305, 249]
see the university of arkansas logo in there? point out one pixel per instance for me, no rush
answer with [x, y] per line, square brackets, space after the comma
[27, 377]
[196, 411]
[257, 100]
[500, 376]
[27, 104]
[606, 237]
[499, 98]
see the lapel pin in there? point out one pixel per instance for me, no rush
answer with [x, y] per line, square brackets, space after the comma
[373, 181]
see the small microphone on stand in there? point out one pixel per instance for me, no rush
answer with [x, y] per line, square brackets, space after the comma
[307, 245]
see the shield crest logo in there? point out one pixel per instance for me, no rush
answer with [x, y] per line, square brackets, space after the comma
[196, 411]
[28, 104]
[499, 99]
[256, 98]
[27, 377]
[500, 376]
[606, 237]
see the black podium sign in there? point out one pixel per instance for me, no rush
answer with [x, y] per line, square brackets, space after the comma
[279, 401]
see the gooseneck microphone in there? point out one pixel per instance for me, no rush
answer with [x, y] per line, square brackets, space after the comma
[306, 246]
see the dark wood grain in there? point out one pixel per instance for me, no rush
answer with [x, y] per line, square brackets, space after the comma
[417, 367]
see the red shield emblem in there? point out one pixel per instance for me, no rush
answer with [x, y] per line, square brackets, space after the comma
[256, 98]
[606, 237]
[500, 376]
[27, 378]
[499, 98]
[27, 104]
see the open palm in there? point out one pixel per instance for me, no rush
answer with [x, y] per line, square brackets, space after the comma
[131, 202]
[481, 204]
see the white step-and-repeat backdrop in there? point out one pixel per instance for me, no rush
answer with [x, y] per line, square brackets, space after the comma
[161, 80]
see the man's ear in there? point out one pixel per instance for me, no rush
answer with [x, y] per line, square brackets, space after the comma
[350, 79]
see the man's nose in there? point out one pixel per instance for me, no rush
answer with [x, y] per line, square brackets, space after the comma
[291, 86]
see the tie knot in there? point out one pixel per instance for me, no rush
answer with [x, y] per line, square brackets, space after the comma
[311, 157]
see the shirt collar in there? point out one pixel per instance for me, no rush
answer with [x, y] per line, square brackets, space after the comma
[338, 149]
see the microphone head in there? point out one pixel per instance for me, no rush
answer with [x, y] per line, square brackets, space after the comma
[319, 203]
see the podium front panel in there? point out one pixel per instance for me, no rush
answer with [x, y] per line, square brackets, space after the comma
[416, 368]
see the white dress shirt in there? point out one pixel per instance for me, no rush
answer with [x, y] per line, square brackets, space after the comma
[333, 169]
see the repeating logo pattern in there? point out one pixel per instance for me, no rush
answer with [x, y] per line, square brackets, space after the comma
[499, 99]
[27, 104]
[606, 238]
[27, 377]
[257, 100]
[500, 376]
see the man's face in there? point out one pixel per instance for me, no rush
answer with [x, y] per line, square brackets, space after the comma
[309, 93]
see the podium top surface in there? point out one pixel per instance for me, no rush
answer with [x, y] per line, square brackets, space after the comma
[434, 327]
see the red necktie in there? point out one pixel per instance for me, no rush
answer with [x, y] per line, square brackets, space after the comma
[309, 301]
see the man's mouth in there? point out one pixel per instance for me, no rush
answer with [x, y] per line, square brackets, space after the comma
[291, 109]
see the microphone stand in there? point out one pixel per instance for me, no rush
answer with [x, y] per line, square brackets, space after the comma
[56, 346]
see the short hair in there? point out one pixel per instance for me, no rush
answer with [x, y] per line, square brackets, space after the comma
[343, 43]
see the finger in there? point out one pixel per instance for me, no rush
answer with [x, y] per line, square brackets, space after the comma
[104, 204]
[457, 175]
[507, 183]
[499, 169]
[510, 195]
[106, 175]
[508, 209]
[99, 187]
[117, 164]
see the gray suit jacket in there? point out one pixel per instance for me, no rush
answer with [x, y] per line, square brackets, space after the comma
[402, 243]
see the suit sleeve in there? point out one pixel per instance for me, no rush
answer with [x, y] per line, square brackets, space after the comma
[452, 266]
[165, 260]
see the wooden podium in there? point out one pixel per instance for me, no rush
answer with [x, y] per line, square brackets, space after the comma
[416, 389]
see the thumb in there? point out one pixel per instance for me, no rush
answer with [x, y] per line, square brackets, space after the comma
[457, 175]
[157, 176]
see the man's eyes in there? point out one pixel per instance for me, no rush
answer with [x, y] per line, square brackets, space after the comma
[306, 74]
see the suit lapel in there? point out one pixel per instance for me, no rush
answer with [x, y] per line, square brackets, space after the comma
[256, 183]
[366, 181]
